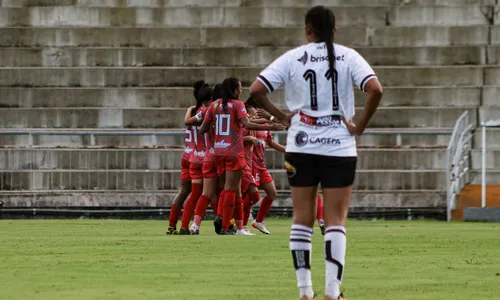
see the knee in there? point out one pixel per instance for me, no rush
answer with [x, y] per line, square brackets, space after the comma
[304, 220]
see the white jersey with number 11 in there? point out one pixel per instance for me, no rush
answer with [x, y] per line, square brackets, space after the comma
[311, 89]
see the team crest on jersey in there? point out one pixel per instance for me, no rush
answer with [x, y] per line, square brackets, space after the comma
[304, 58]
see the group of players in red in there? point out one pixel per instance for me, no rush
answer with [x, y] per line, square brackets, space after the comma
[223, 163]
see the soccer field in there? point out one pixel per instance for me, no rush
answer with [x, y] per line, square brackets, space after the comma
[136, 260]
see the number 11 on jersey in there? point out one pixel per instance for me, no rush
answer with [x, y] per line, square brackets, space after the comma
[310, 76]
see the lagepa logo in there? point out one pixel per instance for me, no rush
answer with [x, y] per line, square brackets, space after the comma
[301, 139]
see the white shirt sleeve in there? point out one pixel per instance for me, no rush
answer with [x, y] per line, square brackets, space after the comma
[361, 72]
[276, 74]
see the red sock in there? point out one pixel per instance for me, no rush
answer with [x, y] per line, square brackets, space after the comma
[175, 211]
[319, 212]
[214, 205]
[264, 209]
[201, 208]
[228, 209]
[220, 203]
[253, 198]
[238, 213]
[246, 209]
[196, 190]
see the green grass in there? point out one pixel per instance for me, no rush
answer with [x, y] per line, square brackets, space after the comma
[136, 260]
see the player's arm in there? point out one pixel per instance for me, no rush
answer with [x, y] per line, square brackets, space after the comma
[207, 120]
[194, 121]
[276, 146]
[247, 124]
[250, 139]
[364, 77]
[259, 121]
[274, 76]
[188, 115]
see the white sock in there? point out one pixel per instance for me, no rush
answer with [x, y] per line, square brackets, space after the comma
[301, 246]
[335, 247]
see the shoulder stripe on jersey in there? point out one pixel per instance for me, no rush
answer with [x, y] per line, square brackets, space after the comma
[362, 85]
[266, 83]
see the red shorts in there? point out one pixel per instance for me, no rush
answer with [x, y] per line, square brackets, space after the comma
[195, 171]
[247, 179]
[185, 170]
[230, 163]
[209, 169]
[262, 176]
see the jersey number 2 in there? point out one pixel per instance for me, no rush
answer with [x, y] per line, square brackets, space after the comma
[311, 77]
[222, 124]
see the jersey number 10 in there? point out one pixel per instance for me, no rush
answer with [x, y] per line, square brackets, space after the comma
[310, 75]
[222, 124]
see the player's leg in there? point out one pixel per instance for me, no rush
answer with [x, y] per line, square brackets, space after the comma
[196, 191]
[303, 180]
[221, 170]
[266, 184]
[253, 196]
[232, 191]
[180, 198]
[337, 178]
[208, 196]
[319, 215]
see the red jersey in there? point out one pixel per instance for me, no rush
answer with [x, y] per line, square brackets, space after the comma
[249, 148]
[188, 142]
[264, 138]
[198, 140]
[209, 143]
[228, 127]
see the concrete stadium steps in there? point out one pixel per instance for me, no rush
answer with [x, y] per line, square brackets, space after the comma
[378, 199]
[438, 139]
[354, 36]
[231, 57]
[390, 76]
[492, 158]
[489, 113]
[490, 96]
[183, 97]
[415, 117]
[240, 3]
[492, 138]
[492, 176]
[396, 180]
[169, 159]
[53, 16]
[204, 17]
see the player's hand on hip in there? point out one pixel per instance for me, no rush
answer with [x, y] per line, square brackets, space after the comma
[352, 128]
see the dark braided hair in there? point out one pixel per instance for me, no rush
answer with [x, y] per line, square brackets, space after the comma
[198, 86]
[217, 92]
[229, 86]
[321, 20]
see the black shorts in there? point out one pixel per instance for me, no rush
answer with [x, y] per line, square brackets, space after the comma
[308, 170]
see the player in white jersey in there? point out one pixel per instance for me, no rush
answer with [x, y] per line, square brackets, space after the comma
[321, 147]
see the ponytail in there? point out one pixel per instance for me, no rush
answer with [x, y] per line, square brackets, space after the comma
[328, 26]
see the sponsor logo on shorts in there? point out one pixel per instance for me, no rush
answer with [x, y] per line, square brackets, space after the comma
[302, 139]
[290, 169]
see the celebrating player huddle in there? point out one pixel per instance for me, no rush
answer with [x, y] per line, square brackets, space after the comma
[224, 160]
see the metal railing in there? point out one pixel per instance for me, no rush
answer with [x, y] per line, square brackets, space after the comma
[458, 160]
[154, 134]
[484, 126]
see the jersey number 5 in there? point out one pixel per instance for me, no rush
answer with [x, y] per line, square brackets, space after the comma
[310, 76]
[222, 124]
